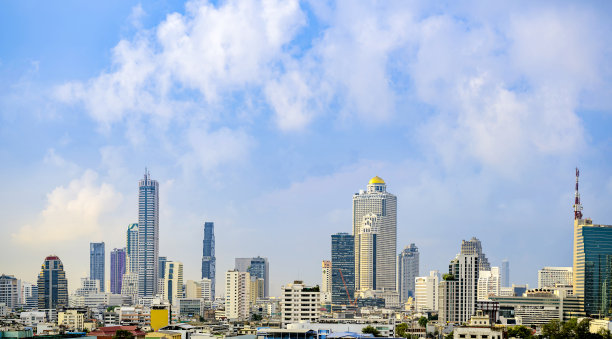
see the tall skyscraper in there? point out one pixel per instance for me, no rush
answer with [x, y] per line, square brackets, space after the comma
[407, 271]
[162, 267]
[343, 268]
[9, 291]
[208, 255]
[117, 266]
[505, 273]
[592, 262]
[148, 236]
[96, 263]
[52, 284]
[458, 290]
[131, 249]
[473, 246]
[257, 267]
[379, 208]
[173, 281]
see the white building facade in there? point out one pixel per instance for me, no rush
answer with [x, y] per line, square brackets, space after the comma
[426, 292]
[299, 303]
[550, 276]
[237, 295]
[489, 283]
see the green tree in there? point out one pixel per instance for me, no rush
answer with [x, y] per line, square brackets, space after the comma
[123, 334]
[450, 335]
[256, 317]
[370, 330]
[552, 329]
[400, 330]
[519, 332]
[423, 321]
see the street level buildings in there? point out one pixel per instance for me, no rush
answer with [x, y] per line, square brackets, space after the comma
[96, 263]
[208, 255]
[407, 271]
[148, 236]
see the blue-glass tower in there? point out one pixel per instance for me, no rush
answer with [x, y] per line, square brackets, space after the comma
[117, 269]
[148, 236]
[96, 263]
[343, 268]
[52, 284]
[208, 255]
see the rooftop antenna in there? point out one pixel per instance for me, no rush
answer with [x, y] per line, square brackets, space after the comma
[577, 205]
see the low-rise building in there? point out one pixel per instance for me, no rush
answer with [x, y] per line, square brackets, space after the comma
[479, 327]
[32, 318]
[71, 319]
[299, 303]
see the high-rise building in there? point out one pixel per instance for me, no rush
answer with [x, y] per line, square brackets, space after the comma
[489, 283]
[473, 246]
[208, 255]
[52, 284]
[148, 236]
[458, 290]
[96, 262]
[505, 273]
[343, 268]
[256, 289]
[426, 292]
[131, 249]
[237, 295]
[173, 281]
[162, 266]
[257, 267]
[326, 276]
[117, 266]
[592, 269]
[407, 271]
[379, 208]
[9, 291]
[551, 276]
[299, 303]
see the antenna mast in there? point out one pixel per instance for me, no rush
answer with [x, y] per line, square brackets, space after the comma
[577, 205]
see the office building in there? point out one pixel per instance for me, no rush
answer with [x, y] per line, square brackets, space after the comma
[173, 281]
[9, 291]
[536, 308]
[426, 292]
[300, 303]
[88, 286]
[473, 246]
[96, 263]
[162, 267]
[208, 255]
[505, 273]
[343, 269]
[458, 289]
[376, 201]
[592, 271]
[129, 286]
[489, 283]
[407, 271]
[52, 284]
[256, 289]
[552, 276]
[237, 295]
[148, 236]
[257, 267]
[117, 266]
[131, 249]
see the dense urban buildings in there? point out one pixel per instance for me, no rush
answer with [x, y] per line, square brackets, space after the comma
[52, 284]
[117, 269]
[553, 276]
[257, 267]
[208, 255]
[378, 208]
[96, 263]
[343, 268]
[407, 271]
[148, 236]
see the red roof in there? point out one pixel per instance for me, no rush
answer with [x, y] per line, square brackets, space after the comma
[52, 257]
[111, 330]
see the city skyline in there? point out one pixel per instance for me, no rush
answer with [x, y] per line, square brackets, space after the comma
[474, 117]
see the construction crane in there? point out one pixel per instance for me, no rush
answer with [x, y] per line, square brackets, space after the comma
[351, 302]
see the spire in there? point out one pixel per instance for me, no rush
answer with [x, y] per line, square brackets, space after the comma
[577, 205]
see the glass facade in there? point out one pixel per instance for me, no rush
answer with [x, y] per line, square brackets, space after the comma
[148, 236]
[118, 263]
[256, 267]
[52, 284]
[96, 263]
[343, 268]
[407, 271]
[208, 255]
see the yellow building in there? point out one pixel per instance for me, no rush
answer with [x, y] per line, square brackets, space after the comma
[159, 318]
[164, 334]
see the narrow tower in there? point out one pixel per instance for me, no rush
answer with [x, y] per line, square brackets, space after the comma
[577, 205]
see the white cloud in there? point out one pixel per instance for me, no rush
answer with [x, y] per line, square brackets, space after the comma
[212, 149]
[71, 212]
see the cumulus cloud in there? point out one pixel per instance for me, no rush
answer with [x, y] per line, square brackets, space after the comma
[72, 211]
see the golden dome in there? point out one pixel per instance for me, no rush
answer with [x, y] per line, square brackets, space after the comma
[376, 180]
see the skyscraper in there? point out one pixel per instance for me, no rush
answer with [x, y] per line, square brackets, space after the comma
[505, 273]
[52, 284]
[173, 281]
[118, 261]
[131, 248]
[162, 267]
[458, 290]
[9, 291]
[376, 201]
[343, 268]
[474, 246]
[96, 263]
[208, 255]
[257, 267]
[407, 271]
[148, 236]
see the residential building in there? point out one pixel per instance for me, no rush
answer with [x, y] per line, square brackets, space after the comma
[118, 263]
[88, 286]
[208, 255]
[71, 319]
[32, 319]
[131, 249]
[299, 303]
[383, 205]
[52, 284]
[9, 291]
[407, 271]
[256, 289]
[96, 263]
[162, 266]
[200, 289]
[458, 290]
[148, 236]
[257, 267]
[552, 276]
[173, 281]
[474, 246]
[489, 283]
[129, 286]
[343, 268]
[237, 295]
[505, 273]
[426, 292]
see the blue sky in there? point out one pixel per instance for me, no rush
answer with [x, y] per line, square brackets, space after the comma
[265, 117]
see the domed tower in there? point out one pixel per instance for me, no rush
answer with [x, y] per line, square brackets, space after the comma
[52, 284]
